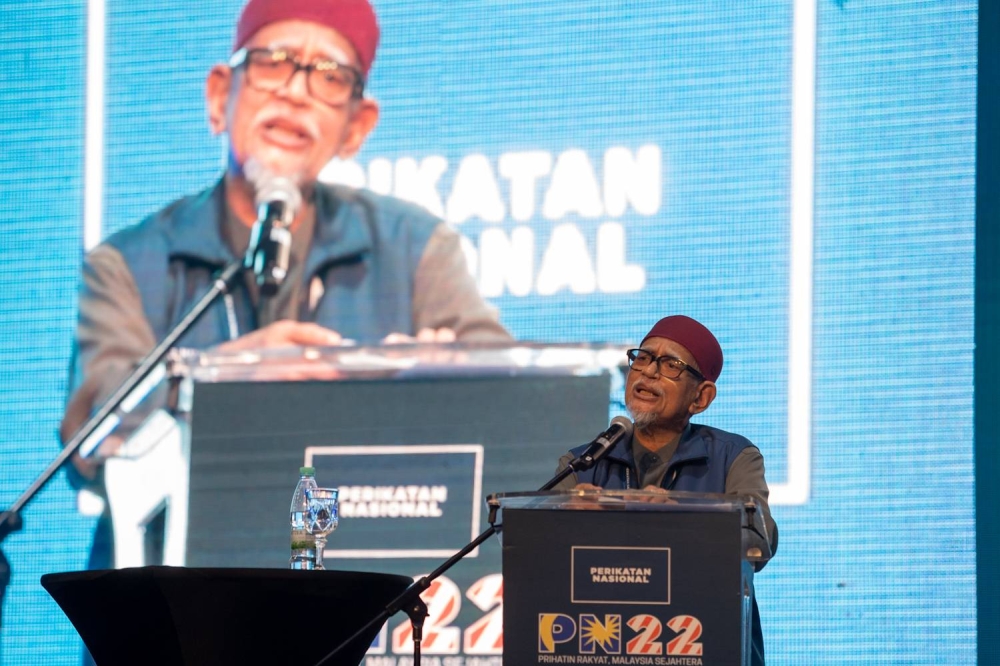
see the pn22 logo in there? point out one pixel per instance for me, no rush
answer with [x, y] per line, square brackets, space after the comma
[591, 633]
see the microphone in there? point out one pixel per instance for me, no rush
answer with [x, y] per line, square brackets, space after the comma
[621, 427]
[278, 200]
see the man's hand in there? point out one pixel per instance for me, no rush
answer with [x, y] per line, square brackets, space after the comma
[284, 333]
[655, 490]
[584, 502]
[424, 335]
[288, 333]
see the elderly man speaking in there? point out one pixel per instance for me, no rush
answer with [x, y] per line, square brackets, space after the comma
[362, 266]
[671, 379]
[290, 98]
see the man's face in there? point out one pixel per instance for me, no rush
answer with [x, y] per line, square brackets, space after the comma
[287, 130]
[655, 401]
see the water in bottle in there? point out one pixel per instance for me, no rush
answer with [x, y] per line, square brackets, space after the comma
[303, 544]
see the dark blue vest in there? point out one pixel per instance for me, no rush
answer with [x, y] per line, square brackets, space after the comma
[699, 464]
[365, 249]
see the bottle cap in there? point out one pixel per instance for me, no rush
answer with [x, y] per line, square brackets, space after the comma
[307, 471]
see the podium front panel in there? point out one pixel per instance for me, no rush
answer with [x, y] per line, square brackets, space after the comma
[469, 436]
[621, 587]
[415, 437]
[248, 440]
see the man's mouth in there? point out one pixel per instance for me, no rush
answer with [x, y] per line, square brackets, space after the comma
[644, 392]
[286, 134]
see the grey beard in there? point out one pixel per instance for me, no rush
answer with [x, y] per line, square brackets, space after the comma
[642, 419]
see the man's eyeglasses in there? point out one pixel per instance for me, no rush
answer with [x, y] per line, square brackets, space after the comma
[669, 367]
[328, 81]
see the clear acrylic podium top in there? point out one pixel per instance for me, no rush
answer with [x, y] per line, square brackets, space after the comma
[755, 545]
[622, 500]
[401, 361]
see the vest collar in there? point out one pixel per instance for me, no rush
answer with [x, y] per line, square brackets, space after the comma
[691, 447]
[342, 231]
[340, 234]
[196, 229]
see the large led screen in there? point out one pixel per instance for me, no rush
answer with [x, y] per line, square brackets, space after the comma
[797, 175]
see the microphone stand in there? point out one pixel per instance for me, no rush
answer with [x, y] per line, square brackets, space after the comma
[10, 520]
[411, 603]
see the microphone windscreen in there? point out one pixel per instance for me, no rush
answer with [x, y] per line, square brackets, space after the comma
[624, 422]
[270, 187]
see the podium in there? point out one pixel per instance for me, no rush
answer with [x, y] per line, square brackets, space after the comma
[165, 616]
[413, 435]
[632, 577]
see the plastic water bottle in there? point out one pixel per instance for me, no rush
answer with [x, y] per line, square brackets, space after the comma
[303, 544]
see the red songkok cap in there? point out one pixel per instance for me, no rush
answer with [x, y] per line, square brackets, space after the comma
[696, 339]
[354, 19]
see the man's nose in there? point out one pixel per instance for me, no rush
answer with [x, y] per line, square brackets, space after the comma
[297, 87]
[652, 370]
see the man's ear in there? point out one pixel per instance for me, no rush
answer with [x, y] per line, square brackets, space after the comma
[362, 122]
[706, 394]
[217, 87]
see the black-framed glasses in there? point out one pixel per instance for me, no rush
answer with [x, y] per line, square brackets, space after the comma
[667, 366]
[328, 81]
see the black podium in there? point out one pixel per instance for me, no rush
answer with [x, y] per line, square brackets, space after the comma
[413, 435]
[631, 577]
[167, 616]
[449, 421]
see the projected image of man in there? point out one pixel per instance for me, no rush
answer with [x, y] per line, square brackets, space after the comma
[362, 266]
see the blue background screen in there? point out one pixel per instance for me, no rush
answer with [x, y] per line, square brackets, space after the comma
[799, 176]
